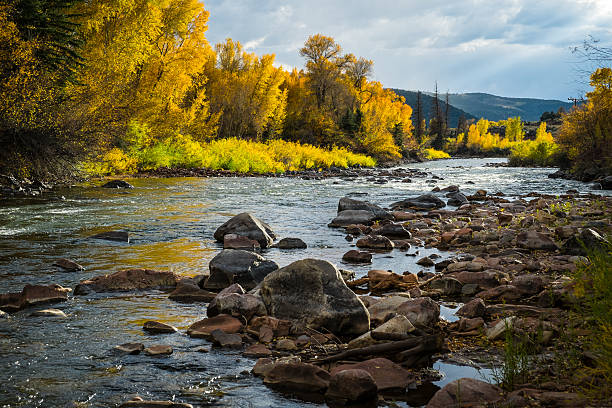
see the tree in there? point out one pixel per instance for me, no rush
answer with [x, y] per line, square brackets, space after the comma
[419, 129]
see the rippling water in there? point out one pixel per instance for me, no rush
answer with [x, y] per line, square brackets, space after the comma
[66, 362]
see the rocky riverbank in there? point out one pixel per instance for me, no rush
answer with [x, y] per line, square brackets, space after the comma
[320, 334]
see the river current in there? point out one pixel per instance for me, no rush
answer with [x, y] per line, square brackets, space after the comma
[47, 362]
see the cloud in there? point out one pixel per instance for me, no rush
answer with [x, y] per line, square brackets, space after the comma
[509, 47]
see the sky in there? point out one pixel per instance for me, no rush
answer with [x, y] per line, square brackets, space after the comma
[515, 48]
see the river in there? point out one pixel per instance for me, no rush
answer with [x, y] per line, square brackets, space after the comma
[46, 362]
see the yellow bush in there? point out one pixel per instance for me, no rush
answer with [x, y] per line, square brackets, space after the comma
[433, 154]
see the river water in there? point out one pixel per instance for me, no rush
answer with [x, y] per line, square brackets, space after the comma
[46, 362]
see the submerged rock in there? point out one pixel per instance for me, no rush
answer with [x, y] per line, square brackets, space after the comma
[422, 202]
[311, 293]
[68, 265]
[203, 328]
[354, 256]
[130, 348]
[117, 184]
[158, 350]
[379, 213]
[154, 327]
[48, 313]
[128, 280]
[119, 236]
[32, 295]
[249, 226]
[291, 243]
[350, 217]
[238, 266]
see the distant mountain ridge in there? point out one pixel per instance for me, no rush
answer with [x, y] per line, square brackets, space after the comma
[427, 102]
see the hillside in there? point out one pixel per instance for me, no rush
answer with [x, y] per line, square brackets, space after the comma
[427, 102]
[494, 107]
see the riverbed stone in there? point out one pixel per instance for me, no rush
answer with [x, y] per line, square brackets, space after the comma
[351, 386]
[119, 236]
[396, 325]
[588, 237]
[350, 217]
[474, 308]
[158, 350]
[237, 304]
[388, 376]
[48, 313]
[457, 199]
[536, 241]
[130, 348]
[446, 286]
[311, 293]
[234, 241]
[355, 256]
[257, 350]
[187, 291]
[154, 404]
[32, 295]
[422, 202]
[376, 242]
[347, 203]
[154, 327]
[297, 377]
[291, 243]
[237, 266]
[485, 279]
[420, 311]
[425, 261]
[286, 345]
[117, 184]
[128, 280]
[68, 265]
[466, 392]
[247, 225]
[203, 328]
[223, 339]
[393, 231]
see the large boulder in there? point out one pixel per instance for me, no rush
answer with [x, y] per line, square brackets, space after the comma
[312, 293]
[388, 376]
[587, 239]
[128, 280]
[297, 377]
[350, 217]
[249, 226]
[466, 392]
[32, 295]
[457, 199]
[422, 202]
[237, 266]
[117, 184]
[535, 240]
[347, 203]
[420, 311]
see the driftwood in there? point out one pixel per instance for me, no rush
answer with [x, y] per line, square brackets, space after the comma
[390, 347]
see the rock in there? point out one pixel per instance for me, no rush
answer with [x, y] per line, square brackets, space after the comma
[154, 404]
[291, 243]
[249, 226]
[470, 289]
[349, 204]
[280, 328]
[529, 284]
[377, 242]
[422, 202]
[420, 311]
[591, 239]
[119, 236]
[503, 293]
[354, 256]
[504, 218]
[350, 217]
[68, 265]
[3, 315]
[158, 350]
[189, 292]
[394, 231]
[497, 330]
[447, 286]
[128, 280]
[606, 183]
[237, 304]
[130, 348]
[233, 241]
[154, 327]
[486, 279]
[536, 241]
[49, 313]
[466, 392]
[388, 376]
[117, 184]
[237, 266]
[262, 366]
[352, 386]
[204, 328]
[396, 325]
[426, 261]
[32, 295]
[312, 293]
[257, 350]
[474, 308]
[229, 340]
[457, 199]
[286, 345]
[468, 325]
[297, 377]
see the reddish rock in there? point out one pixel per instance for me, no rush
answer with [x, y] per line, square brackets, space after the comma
[426, 261]
[474, 308]
[222, 339]
[266, 334]
[505, 293]
[291, 243]
[205, 327]
[466, 392]
[128, 280]
[130, 348]
[352, 385]
[377, 242]
[233, 241]
[257, 350]
[354, 256]
[504, 218]
[279, 327]
[32, 295]
[388, 376]
[158, 350]
[536, 241]
[262, 366]
[485, 279]
[189, 292]
[297, 377]
[157, 327]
